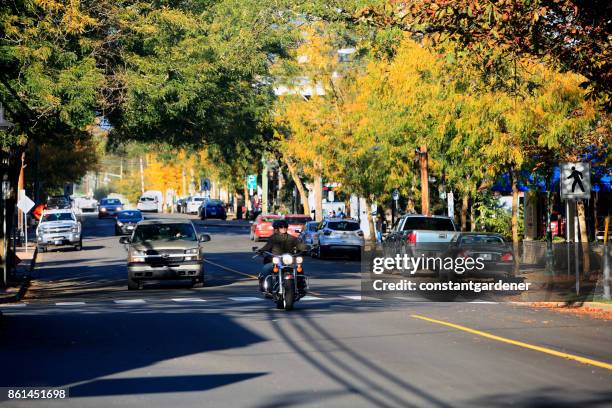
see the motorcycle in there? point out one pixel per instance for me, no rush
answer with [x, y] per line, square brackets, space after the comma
[287, 283]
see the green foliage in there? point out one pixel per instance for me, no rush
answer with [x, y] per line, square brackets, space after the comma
[490, 217]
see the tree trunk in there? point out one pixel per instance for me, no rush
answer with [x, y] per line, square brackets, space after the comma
[318, 191]
[235, 193]
[464, 210]
[472, 218]
[298, 183]
[584, 239]
[247, 198]
[371, 223]
[515, 236]
[515, 204]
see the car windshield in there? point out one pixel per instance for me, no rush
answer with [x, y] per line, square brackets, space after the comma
[198, 198]
[298, 220]
[110, 201]
[214, 203]
[430, 224]
[169, 232]
[129, 215]
[343, 226]
[481, 239]
[58, 217]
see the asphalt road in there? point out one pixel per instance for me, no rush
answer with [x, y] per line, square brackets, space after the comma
[222, 345]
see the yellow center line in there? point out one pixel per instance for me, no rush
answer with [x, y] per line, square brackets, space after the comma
[545, 350]
[230, 269]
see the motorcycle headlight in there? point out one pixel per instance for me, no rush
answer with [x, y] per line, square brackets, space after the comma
[276, 260]
[287, 259]
[299, 260]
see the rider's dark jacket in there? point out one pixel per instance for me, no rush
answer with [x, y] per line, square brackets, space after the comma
[279, 244]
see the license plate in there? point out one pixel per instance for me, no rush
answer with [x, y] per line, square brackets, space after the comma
[486, 257]
[58, 242]
[213, 213]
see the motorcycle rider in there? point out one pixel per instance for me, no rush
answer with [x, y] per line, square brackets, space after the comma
[279, 243]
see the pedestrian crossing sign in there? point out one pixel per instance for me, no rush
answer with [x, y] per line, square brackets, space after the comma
[575, 181]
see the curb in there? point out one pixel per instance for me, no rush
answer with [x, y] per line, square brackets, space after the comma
[23, 288]
[604, 307]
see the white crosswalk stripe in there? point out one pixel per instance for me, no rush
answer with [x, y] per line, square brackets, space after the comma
[245, 299]
[129, 301]
[353, 297]
[69, 303]
[188, 300]
[311, 298]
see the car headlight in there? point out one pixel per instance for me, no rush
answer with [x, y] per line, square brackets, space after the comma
[299, 260]
[192, 251]
[119, 208]
[74, 229]
[119, 223]
[287, 259]
[276, 260]
[136, 256]
[103, 209]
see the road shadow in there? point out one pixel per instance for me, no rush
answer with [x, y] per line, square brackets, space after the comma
[64, 348]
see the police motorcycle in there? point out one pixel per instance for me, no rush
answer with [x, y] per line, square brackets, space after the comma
[287, 283]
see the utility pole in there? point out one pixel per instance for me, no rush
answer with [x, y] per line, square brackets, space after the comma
[264, 187]
[142, 186]
[424, 180]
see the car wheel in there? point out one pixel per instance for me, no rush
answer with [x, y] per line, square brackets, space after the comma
[79, 246]
[133, 284]
[320, 252]
[198, 282]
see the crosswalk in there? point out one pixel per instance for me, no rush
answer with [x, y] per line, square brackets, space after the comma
[244, 300]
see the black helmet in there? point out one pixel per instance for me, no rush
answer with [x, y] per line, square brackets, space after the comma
[280, 224]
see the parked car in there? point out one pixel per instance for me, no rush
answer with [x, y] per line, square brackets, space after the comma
[193, 204]
[59, 203]
[338, 236]
[109, 207]
[86, 204]
[261, 228]
[148, 203]
[126, 221]
[296, 223]
[417, 235]
[212, 209]
[493, 251]
[165, 250]
[308, 232]
[58, 228]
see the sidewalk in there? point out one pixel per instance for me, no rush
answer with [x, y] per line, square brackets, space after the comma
[19, 283]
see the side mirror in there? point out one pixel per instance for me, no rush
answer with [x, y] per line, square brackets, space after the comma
[204, 238]
[124, 240]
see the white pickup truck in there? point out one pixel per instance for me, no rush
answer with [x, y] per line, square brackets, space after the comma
[417, 235]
